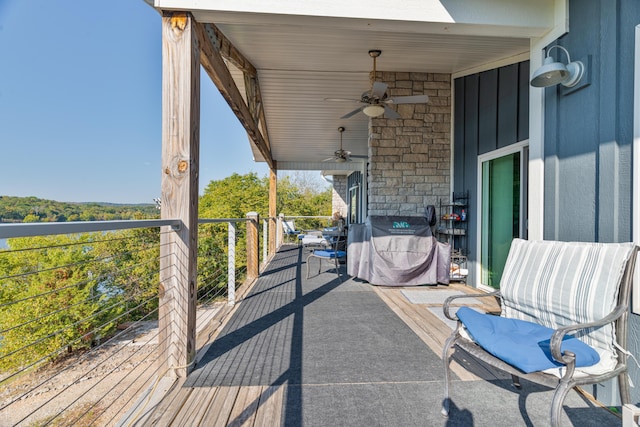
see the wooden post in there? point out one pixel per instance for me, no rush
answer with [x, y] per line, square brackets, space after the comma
[279, 230]
[253, 245]
[180, 156]
[265, 241]
[273, 188]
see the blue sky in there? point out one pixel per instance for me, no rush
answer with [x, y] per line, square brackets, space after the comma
[80, 104]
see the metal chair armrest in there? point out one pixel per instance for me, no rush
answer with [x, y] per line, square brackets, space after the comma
[568, 358]
[448, 301]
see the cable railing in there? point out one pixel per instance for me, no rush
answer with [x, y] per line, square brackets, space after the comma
[79, 313]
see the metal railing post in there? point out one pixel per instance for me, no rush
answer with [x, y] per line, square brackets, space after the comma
[231, 284]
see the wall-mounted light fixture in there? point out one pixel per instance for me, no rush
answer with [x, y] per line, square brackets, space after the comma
[551, 72]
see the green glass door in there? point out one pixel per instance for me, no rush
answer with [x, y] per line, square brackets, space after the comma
[500, 214]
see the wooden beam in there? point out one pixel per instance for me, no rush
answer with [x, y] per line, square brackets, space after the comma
[251, 81]
[228, 50]
[250, 87]
[180, 157]
[214, 65]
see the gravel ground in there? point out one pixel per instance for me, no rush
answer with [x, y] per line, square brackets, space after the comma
[97, 387]
[89, 388]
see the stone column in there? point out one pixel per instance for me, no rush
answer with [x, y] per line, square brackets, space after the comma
[410, 158]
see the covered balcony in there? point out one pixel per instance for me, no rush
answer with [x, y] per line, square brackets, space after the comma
[284, 349]
[280, 349]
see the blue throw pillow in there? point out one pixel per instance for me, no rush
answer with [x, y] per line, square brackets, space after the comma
[522, 344]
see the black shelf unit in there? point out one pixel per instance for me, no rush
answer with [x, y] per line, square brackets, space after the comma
[453, 228]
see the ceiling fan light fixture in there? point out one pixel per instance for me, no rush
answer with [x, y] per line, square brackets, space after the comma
[373, 110]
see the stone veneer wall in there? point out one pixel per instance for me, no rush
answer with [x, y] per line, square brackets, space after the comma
[410, 158]
[339, 195]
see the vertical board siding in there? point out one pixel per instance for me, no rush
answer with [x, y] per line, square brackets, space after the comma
[523, 101]
[488, 111]
[629, 13]
[354, 179]
[471, 141]
[491, 110]
[583, 137]
[588, 140]
[458, 133]
[507, 105]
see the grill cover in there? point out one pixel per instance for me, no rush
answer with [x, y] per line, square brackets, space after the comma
[397, 251]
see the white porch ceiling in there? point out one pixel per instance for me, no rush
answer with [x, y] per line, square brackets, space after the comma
[302, 59]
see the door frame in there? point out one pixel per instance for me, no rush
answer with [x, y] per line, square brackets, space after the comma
[635, 299]
[518, 147]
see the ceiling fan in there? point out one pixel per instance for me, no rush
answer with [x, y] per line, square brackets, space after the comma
[375, 101]
[341, 156]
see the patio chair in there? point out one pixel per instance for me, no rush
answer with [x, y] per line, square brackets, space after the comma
[334, 254]
[312, 238]
[563, 322]
[289, 229]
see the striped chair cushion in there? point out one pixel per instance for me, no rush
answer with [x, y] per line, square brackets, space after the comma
[561, 283]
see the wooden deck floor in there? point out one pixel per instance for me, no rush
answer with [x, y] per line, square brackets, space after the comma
[262, 405]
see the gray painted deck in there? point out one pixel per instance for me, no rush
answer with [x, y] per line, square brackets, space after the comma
[322, 352]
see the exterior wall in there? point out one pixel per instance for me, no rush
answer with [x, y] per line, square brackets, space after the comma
[356, 198]
[491, 111]
[410, 157]
[339, 195]
[588, 140]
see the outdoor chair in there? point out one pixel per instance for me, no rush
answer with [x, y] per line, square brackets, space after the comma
[334, 253]
[564, 316]
[289, 229]
[312, 238]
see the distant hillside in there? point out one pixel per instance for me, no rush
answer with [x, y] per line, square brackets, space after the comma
[33, 209]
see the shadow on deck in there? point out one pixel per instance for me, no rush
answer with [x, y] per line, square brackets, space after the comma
[321, 352]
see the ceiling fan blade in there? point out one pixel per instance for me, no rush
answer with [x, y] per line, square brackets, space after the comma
[358, 156]
[352, 113]
[390, 113]
[413, 99]
[329, 159]
[342, 100]
[378, 90]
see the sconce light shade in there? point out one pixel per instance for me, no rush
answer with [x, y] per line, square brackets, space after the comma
[373, 110]
[551, 73]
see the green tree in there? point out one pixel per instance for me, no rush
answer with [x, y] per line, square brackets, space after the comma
[31, 218]
[16, 209]
[234, 197]
[61, 292]
[297, 196]
[47, 298]
[231, 197]
[135, 255]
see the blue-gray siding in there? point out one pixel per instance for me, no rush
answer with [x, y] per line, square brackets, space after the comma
[588, 140]
[491, 111]
[355, 180]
